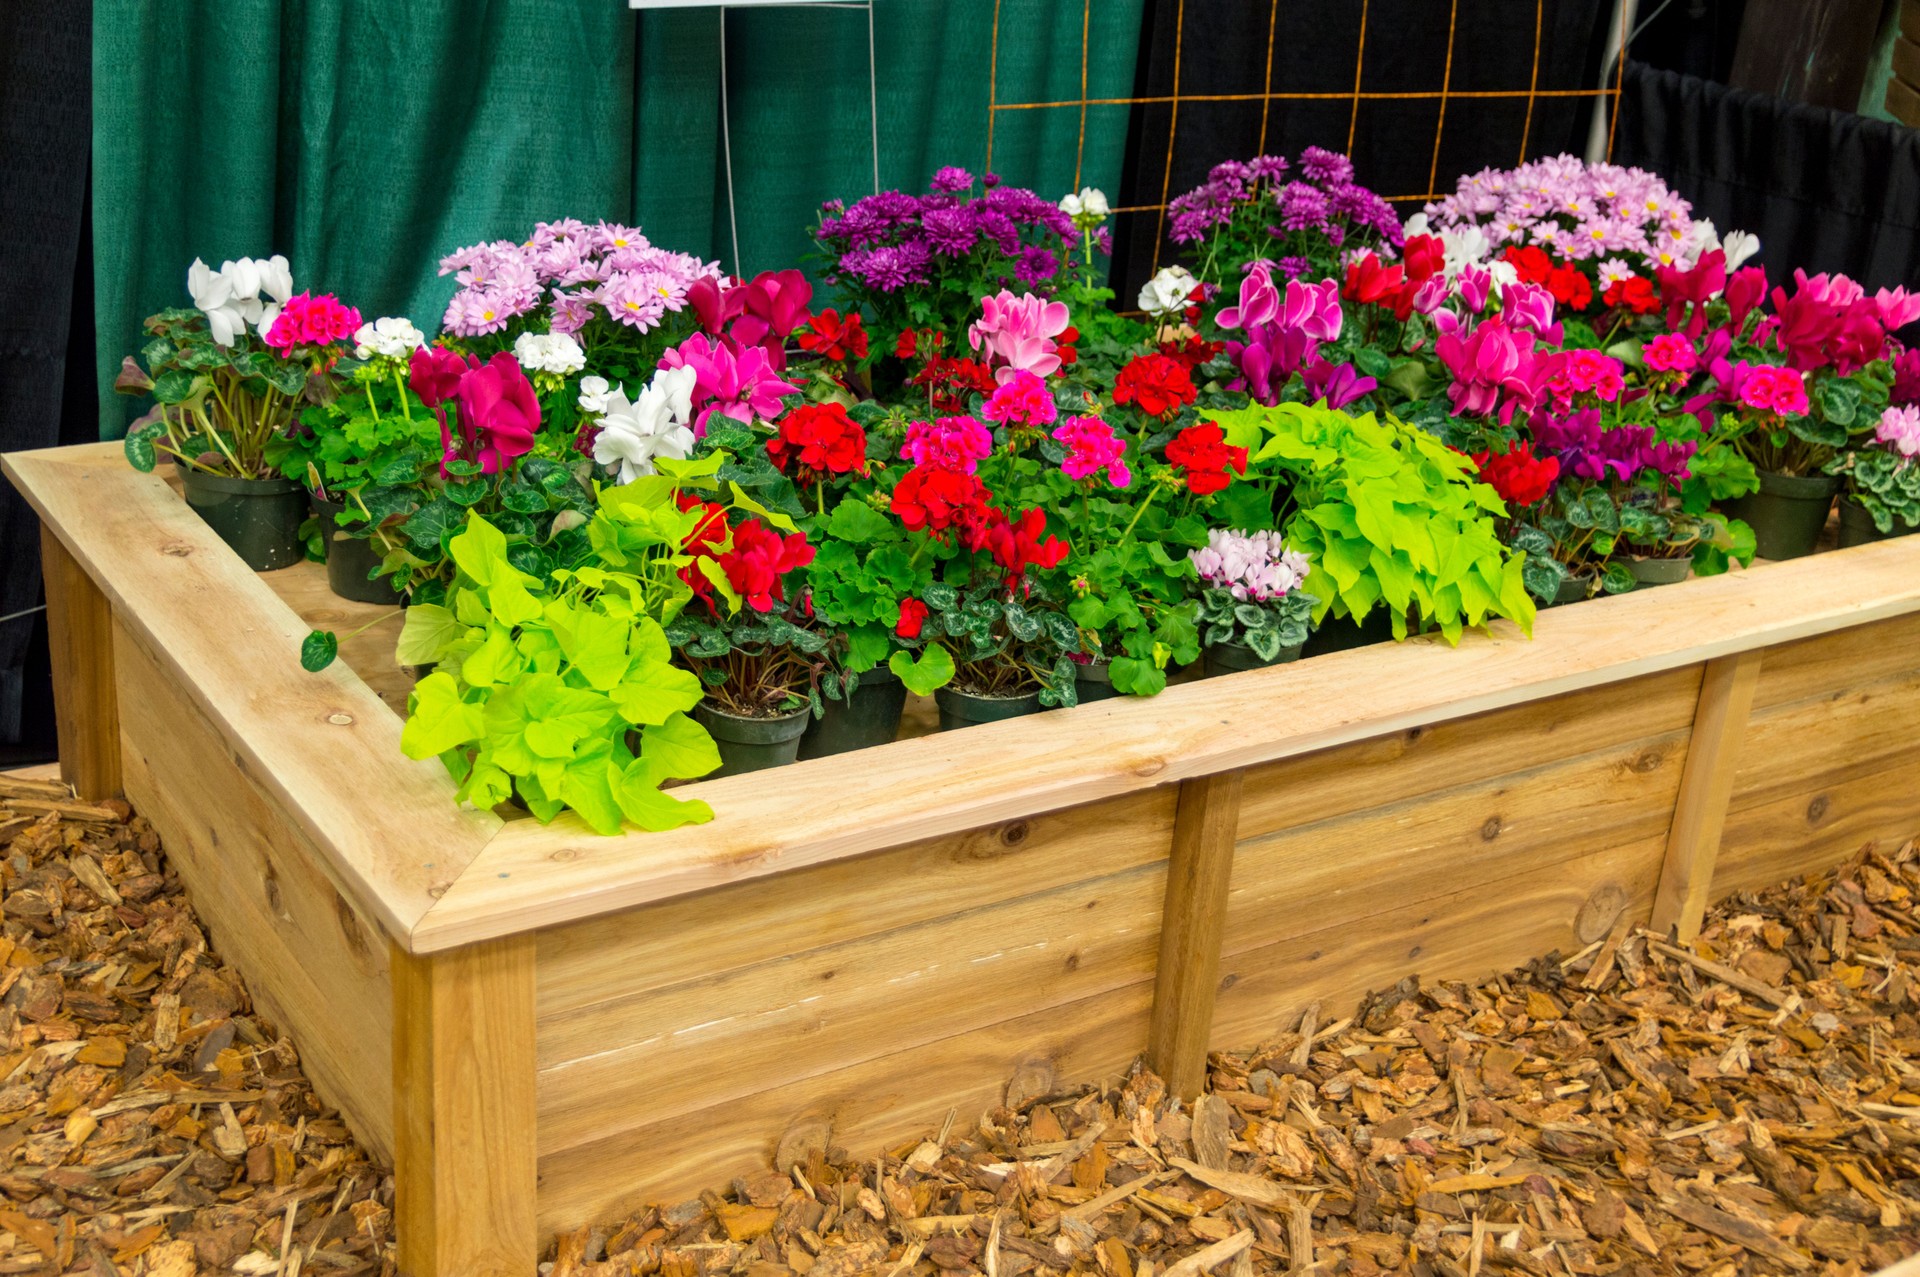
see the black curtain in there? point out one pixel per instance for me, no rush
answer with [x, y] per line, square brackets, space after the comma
[1823, 189]
[47, 394]
[1232, 48]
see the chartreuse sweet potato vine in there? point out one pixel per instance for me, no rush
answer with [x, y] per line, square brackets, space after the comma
[1390, 516]
[561, 693]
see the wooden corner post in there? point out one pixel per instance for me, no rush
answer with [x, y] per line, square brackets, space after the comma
[1706, 787]
[1205, 823]
[86, 708]
[465, 1166]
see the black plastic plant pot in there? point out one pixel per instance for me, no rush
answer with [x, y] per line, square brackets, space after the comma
[1651, 572]
[1858, 528]
[1231, 658]
[259, 518]
[1570, 590]
[964, 709]
[1341, 634]
[752, 744]
[1094, 682]
[351, 560]
[1787, 514]
[869, 716]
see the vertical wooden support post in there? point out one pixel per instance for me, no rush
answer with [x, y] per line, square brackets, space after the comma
[86, 710]
[463, 1072]
[1205, 823]
[1706, 787]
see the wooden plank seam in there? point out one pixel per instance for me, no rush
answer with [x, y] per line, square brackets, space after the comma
[1706, 789]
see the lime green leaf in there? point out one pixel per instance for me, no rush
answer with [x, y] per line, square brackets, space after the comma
[654, 691]
[428, 630]
[923, 677]
[495, 661]
[652, 810]
[679, 747]
[438, 719]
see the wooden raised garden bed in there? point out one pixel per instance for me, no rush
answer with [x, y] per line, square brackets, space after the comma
[540, 1025]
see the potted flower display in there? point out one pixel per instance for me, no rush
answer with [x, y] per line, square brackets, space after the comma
[1880, 496]
[1254, 611]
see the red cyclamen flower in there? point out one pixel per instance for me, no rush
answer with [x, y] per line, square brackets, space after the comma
[1158, 385]
[818, 440]
[1203, 453]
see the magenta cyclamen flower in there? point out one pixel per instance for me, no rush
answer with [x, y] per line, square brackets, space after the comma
[1092, 446]
[1016, 333]
[306, 320]
[1335, 384]
[1494, 370]
[951, 443]
[740, 385]
[1529, 308]
[1259, 299]
[1021, 400]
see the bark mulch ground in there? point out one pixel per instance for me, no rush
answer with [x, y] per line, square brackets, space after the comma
[1749, 1104]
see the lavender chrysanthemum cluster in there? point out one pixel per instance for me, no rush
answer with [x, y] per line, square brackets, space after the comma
[577, 270]
[888, 241]
[1576, 210]
[1322, 200]
[1254, 566]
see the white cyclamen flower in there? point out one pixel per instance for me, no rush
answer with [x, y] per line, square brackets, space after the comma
[655, 425]
[556, 353]
[230, 297]
[1167, 292]
[1739, 246]
[593, 395]
[393, 337]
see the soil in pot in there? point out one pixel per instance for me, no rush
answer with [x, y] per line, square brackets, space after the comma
[1651, 572]
[1094, 682]
[1787, 514]
[1340, 633]
[351, 559]
[1230, 658]
[752, 744]
[259, 518]
[964, 709]
[1858, 528]
[868, 716]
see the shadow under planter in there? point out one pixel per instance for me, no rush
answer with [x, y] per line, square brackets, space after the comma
[868, 716]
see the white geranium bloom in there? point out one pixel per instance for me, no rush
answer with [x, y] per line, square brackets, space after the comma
[1739, 246]
[655, 425]
[1072, 207]
[1167, 292]
[593, 395]
[391, 337]
[556, 353]
[1088, 208]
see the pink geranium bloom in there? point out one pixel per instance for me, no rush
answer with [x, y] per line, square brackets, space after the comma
[1021, 400]
[1769, 389]
[1670, 352]
[306, 320]
[1016, 333]
[740, 385]
[959, 444]
[1092, 446]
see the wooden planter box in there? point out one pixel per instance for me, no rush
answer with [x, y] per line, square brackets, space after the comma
[541, 1026]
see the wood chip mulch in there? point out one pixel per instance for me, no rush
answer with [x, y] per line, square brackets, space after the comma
[151, 1124]
[1747, 1105]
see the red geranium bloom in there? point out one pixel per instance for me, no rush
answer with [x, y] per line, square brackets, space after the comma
[1569, 286]
[1064, 347]
[755, 564]
[1203, 453]
[934, 500]
[1022, 543]
[950, 381]
[1158, 384]
[818, 439]
[1193, 351]
[913, 615]
[835, 338]
[1517, 475]
[1530, 263]
[1633, 294]
[1369, 282]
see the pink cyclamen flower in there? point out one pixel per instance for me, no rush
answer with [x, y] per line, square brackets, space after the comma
[497, 412]
[1259, 299]
[951, 443]
[1494, 369]
[306, 320]
[1670, 352]
[1897, 307]
[740, 385]
[1021, 400]
[1529, 308]
[1092, 446]
[1016, 333]
[1770, 389]
[1899, 429]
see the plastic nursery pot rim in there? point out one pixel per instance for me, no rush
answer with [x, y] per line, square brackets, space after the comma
[742, 730]
[227, 483]
[1660, 571]
[1801, 487]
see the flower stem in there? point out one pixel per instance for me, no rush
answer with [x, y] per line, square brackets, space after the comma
[1132, 523]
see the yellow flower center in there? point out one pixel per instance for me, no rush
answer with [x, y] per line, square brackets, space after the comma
[619, 243]
[487, 315]
[631, 305]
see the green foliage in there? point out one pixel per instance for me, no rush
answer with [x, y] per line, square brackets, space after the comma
[1390, 517]
[1886, 484]
[1269, 628]
[558, 689]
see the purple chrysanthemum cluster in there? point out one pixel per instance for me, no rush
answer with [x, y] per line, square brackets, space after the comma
[579, 270]
[1622, 453]
[1576, 210]
[1323, 199]
[888, 241]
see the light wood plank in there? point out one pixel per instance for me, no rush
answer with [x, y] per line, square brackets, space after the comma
[1699, 815]
[314, 965]
[1198, 875]
[1848, 732]
[769, 823]
[650, 1154]
[465, 1172]
[1820, 665]
[1816, 825]
[1348, 870]
[618, 956]
[369, 653]
[324, 746]
[80, 643]
[726, 1036]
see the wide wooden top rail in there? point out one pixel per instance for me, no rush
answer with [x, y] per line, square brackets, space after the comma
[438, 877]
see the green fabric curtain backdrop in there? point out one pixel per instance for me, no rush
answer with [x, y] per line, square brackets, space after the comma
[365, 139]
